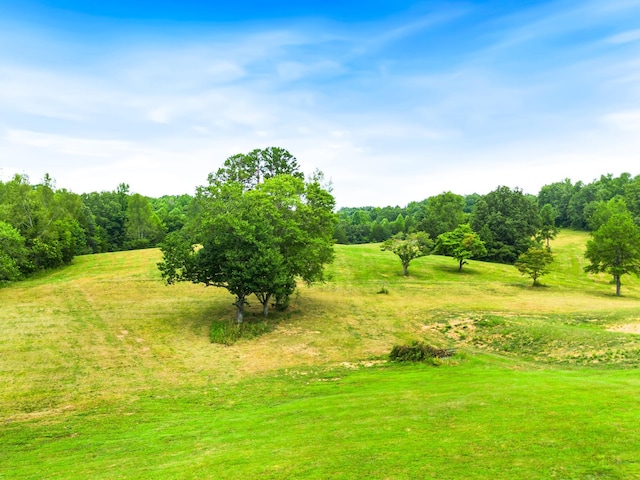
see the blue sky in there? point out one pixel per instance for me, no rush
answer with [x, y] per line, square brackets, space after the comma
[394, 101]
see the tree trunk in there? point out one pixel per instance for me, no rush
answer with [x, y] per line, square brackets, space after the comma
[617, 278]
[240, 306]
[405, 269]
[461, 262]
[265, 305]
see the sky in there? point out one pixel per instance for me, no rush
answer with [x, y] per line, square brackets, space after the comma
[395, 101]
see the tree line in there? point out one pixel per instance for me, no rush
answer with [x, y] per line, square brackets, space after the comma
[42, 227]
[507, 220]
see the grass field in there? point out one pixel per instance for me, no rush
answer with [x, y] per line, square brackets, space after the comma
[108, 373]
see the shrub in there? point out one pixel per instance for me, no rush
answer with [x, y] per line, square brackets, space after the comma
[417, 352]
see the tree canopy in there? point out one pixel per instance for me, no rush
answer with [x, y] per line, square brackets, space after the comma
[409, 247]
[506, 221]
[535, 262]
[253, 168]
[548, 229]
[462, 244]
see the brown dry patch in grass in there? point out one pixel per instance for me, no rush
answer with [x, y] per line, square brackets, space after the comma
[626, 328]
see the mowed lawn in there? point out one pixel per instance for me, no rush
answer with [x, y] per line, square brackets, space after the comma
[108, 373]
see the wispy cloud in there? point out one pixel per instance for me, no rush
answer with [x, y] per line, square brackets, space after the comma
[625, 37]
[68, 145]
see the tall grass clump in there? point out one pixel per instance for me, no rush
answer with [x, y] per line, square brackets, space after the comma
[229, 332]
[417, 352]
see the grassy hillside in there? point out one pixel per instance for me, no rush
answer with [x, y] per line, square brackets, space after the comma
[108, 373]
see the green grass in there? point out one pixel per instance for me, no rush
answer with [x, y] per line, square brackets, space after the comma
[108, 373]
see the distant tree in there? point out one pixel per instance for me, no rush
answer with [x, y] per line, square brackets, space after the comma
[409, 247]
[144, 228]
[398, 225]
[340, 233]
[470, 202]
[462, 244]
[357, 224]
[535, 263]
[109, 210]
[558, 195]
[615, 248]
[632, 198]
[172, 210]
[583, 195]
[507, 221]
[380, 230]
[442, 213]
[548, 229]
[598, 212]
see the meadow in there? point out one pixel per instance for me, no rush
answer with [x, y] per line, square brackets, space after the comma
[108, 373]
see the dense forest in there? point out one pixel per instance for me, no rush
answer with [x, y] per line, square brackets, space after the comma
[42, 227]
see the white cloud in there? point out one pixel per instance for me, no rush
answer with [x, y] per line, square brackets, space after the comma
[626, 120]
[160, 115]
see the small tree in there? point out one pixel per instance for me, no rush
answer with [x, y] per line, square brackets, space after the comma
[462, 243]
[408, 247]
[535, 263]
[615, 248]
[548, 229]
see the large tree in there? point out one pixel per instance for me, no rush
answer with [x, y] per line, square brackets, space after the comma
[409, 247]
[254, 238]
[615, 248]
[462, 244]
[507, 221]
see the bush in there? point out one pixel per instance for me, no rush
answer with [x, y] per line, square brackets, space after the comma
[227, 333]
[417, 352]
